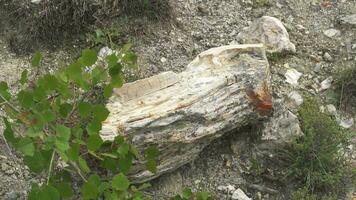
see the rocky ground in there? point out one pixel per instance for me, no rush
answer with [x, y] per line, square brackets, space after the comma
[324, 44]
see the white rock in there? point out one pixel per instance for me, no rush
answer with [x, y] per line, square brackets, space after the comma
[349, 19]
[346, 122]
[163, 59]
[36, 1]
[239, 195]
[327, 57]
[326, 84]
[295, 98]
[269, 31]
[228, 189]
[105, 51]
[332, 32]
[331, 109]
[292, 76]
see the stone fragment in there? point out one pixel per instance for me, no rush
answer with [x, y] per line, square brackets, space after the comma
[295, 99]
[346, 122]
[283, 127]
[332, 33]
[326, 84]
[269, 31]
[348, 20]
[331, 109]
[292, 76]
[327, 57]
[222, 89]
[239, 195]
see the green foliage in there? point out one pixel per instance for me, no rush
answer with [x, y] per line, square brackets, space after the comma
[188, 194]
[344, 91]
[316, 158]
[60, 121]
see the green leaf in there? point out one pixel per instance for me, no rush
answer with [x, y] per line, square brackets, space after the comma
[120, 182]
[50, 82]
[48, 193]
[89, 190]
[83, 165]
[84, 109]
[48, 116]
[73, 152]
[125, 164]
[112, 60]
[25, 99]
[100, 112]
[203, 196]
[34, 193]
[130, 59]
[39, 161]
[4, 91]
[26, 146]
[9, 133]
[94, 142]
[88, 57]
[187, 193]
[108, 89]
[115, 70]
[74, 72]
[63, 132]
[95, 179]
[123, 149]
[23, 78]
[117, 81]
[36, 59]
[110, 164]
[31, 132]
[65, 109]
[94, 127]
[64, 189]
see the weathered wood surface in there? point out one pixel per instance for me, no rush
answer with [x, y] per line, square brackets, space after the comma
[182, 113]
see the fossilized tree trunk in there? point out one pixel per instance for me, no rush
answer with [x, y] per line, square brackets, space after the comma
[223, 88]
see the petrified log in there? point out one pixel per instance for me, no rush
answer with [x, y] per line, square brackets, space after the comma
[222, 89]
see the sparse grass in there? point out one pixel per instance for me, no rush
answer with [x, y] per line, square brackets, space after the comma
[317, 159]
[52, 22]
[261, 3]
[345, 86]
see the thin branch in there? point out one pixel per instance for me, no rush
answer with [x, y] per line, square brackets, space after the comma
[50, 166]
[9, 104]
[78, 170]
[7, 145]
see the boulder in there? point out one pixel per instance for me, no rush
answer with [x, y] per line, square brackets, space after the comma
[269, 31]
[222, 89]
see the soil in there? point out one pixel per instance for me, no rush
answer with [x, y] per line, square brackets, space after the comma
[194, 26]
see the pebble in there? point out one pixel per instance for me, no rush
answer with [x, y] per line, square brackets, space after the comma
[4, 166]
[295, 98]
[327, 57]
[331, 109]
[349, 19]
[326, 84]
[239, 195]
[292, 76]
[332, 33]
[346, 122]
[163, 59]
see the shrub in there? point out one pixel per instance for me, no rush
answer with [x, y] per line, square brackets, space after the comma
[317, 159]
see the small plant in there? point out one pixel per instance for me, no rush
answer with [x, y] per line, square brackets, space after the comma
[317, 158]
[345, 85]
[55, 121]
[104, 37]
[187, 194]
